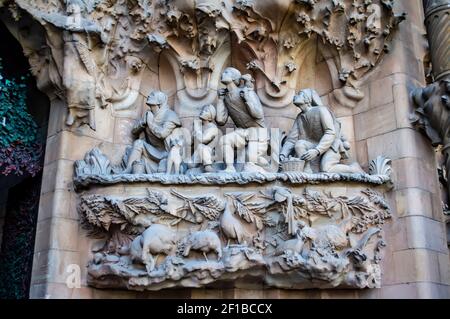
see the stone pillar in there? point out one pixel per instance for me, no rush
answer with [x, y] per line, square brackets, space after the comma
[437, 20]
[416, 261]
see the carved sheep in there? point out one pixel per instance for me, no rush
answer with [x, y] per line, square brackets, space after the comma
[205, 241]
[155, 240]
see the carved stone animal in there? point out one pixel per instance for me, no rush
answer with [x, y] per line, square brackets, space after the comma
[232, 226]
[294, 246]
[205, 241]
[155, 240]
[324, 236]
[175, 157]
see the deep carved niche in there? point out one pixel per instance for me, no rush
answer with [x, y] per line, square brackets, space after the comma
[191, 204]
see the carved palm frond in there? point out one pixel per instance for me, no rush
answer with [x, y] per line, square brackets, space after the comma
[380, 166]
[102, 212]
[377, 199]
[208, 206]
[320, 204]
[252, 212]
[99, 213]
[366, 213]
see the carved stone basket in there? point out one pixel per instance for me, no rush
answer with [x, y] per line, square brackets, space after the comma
[293, 165]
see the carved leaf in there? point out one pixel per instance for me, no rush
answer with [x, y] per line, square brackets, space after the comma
[208, 206]
[366, 212]
[102, 212]
[380, 166]
[320, 204]
[252, 212]
[99, 213]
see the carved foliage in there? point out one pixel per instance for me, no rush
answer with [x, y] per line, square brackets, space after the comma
[258, 221]
[89, 44]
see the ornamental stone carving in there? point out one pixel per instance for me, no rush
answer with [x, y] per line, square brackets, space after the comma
[204, 83]
[283, 232]
[287, 239]
[94, 54]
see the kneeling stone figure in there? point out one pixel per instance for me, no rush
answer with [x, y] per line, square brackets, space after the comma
[316, 133]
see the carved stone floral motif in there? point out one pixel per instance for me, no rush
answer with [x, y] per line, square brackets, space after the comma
[286, 239]
[93, 54]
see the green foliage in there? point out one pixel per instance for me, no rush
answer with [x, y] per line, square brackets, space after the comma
[16, 255]
[20, 151]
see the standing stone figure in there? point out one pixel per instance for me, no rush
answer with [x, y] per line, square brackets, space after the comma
[242, 104]
[316, 133]
[206, 136]
[80, 68]
[158, 124]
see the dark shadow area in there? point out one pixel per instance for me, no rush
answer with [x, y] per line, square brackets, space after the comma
[19, 195]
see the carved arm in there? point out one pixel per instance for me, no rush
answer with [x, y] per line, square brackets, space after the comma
[327, 122]
[253, 104]
[222, 112]
[162, 131]
[291, 139]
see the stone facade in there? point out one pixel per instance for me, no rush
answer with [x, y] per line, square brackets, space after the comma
[353, 204]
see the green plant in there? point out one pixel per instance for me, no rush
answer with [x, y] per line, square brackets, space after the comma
[20, 149]
[16, 254]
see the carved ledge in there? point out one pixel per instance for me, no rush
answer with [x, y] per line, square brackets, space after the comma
[231, 178]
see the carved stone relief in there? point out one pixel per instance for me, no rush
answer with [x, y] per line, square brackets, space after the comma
[95, 53]
[314, 150]
[288, 239]
[220, 66]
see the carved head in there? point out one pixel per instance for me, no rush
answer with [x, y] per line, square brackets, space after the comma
[248, 81]
[208, 113]
[134, 64]
[177, 142]
[207, 39]
[306, 99]
[231, 75]
[156, 100]
[73, 7]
